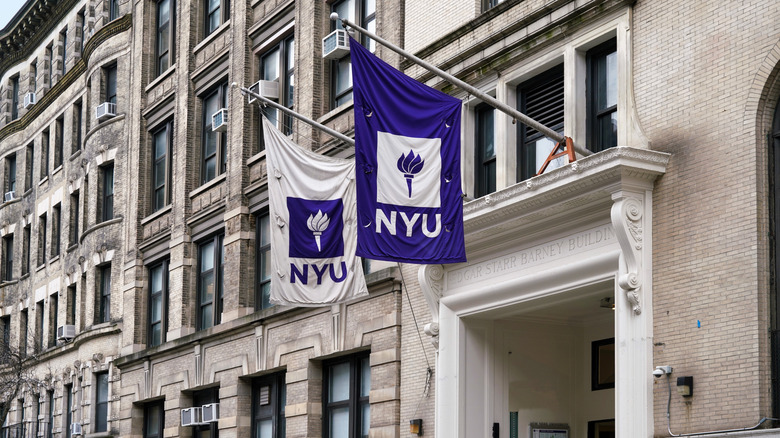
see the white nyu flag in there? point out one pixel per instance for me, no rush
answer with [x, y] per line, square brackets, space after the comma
[313, 216]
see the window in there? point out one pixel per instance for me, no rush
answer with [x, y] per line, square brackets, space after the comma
[81, 22]
[110, 84]
[45, 154]
[113, 10]
[104, 295]
[204, 397]
[165, 34]
[29, 156]
[34, 77]
[26, 236]
[602, 96]
[40, 335]
[5, 336]
[161, 166]
[50, 60]
[485, 151]
[210, 269]
[158, 303]
[14, 97]
[269, 396]
[39, 406]
[541, 98]
[42, 239]
[263, 260]
[74, 218]
[278, 64]
[346, 408]
[214, 150]
[50, 423]
[341, 70]
[54, 309]
[107, 192]
[774, 220]
[489, 4]
[78, 119]
[70, 317]
[64, 40]
[67, 399]
[23, 315]
[10, 171]
[56, 229]
[217, 12]
[154, 419]
[8, 257]
[101, 402]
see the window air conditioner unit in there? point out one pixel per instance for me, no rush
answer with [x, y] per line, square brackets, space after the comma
[267, 89]
[29, 100]
[219, 120]
[210, 413]
[66, 332]
[9, 196]
[190, 416]
[105, 110]
[335, 45]
[75, 429]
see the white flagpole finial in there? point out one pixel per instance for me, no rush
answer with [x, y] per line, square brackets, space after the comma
[334, 16]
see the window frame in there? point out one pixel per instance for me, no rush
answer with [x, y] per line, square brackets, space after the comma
[217, 270]
[64, 39]
[220, 151]
[110, 85]
[159, 407]
[277, 399]
[355, 401]
[262, 259]
[113, 10]
[45, 145]
[367, 21]
[56, 230]
[162, 29]
[75, 202]
[286, 80]
[8, 257]
[164, 186]
[204, 397]
[101, 401]
[42, 244]
[483, 183]
[104, 295]
[107, 192]
[223, 9]
[11, 167]
[15, 97]
[67, 408]
[163, 295]
[594, 114]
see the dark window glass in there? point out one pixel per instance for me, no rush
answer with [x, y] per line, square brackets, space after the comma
[269, 396]
[50, 58]
[34, 81]
[56, 230]
[64, 39]
[50, 422]
[54, 309]
[214, 150]
[71, 315]
[74, 218]
[485, 151]
[347, 383]
[362, 12]
[78, 118]
[154, 419]
[204, 397]
[263, 270]
[111, 84]
[165, 34]
[15, 98]
[45, 154]
[107, 198]
[81, 21]
[161, 166]
[602, 96]
[28, 166]
[23, 333]
[8, 254]
[210, 269]
[59, 141]
[42, 240]
[101, 402]
[67, 395]
[5, 336]
[774, 239]
[541, 98]
[104, 295]
[217, 12]
[26, 235]
[158, 305]
[278, 65]
[113, 10]
[40, 335]
[11, 173]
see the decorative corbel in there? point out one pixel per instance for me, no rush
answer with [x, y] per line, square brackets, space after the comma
[628, 220]
[431, 282]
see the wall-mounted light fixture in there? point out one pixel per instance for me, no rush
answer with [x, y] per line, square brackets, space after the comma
[607, 303]
[685, 386]
[415, 427]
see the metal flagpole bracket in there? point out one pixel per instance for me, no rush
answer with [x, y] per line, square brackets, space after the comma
[512, 112]
[284, 109]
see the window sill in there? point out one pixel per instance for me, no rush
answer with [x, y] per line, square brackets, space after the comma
[24, 276]
[5, 283]
[98, 226]
[156, 214]
[72, 247]
[12, 201]
[43, 180]
[161, 77]
[56, 170]
[40, 267]
[212, 36]
[75, 155]
[260, 156]
[216, 181]
[54, 259]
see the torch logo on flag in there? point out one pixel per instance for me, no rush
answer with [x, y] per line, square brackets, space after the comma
[317, 224]
[410, 165]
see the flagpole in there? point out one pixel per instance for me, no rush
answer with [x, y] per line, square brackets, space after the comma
[298, 116]
[517, 115]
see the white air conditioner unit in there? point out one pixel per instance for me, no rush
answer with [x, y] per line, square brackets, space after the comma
[66, 332]
[9, 196]
[267, 89]
[105, 110]
[219, 120]
[75, 429]
[210, 413]
[29, 100]
[335, 45]
[190, 416]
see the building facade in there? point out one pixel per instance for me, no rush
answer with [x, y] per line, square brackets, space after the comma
[135, 228]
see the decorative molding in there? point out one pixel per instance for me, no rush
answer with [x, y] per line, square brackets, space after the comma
[628, 221]
[431, 279]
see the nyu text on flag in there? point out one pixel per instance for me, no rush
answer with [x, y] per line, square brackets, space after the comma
[312, 217]
[407, 152]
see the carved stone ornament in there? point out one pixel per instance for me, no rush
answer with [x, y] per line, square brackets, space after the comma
[627, 219]
[431, 278]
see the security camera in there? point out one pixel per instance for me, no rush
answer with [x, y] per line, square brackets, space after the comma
[658, 372]
[661, 370]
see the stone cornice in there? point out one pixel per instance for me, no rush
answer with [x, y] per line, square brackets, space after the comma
[115, 27]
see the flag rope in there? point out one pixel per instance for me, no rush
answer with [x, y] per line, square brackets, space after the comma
[490, 100]
[406, 289]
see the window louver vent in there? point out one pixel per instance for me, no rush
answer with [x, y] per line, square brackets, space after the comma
[544, 103]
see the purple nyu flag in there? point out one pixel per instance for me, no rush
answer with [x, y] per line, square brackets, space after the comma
[407, 152]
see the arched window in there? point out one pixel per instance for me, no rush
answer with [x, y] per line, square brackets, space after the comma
[774, 208]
